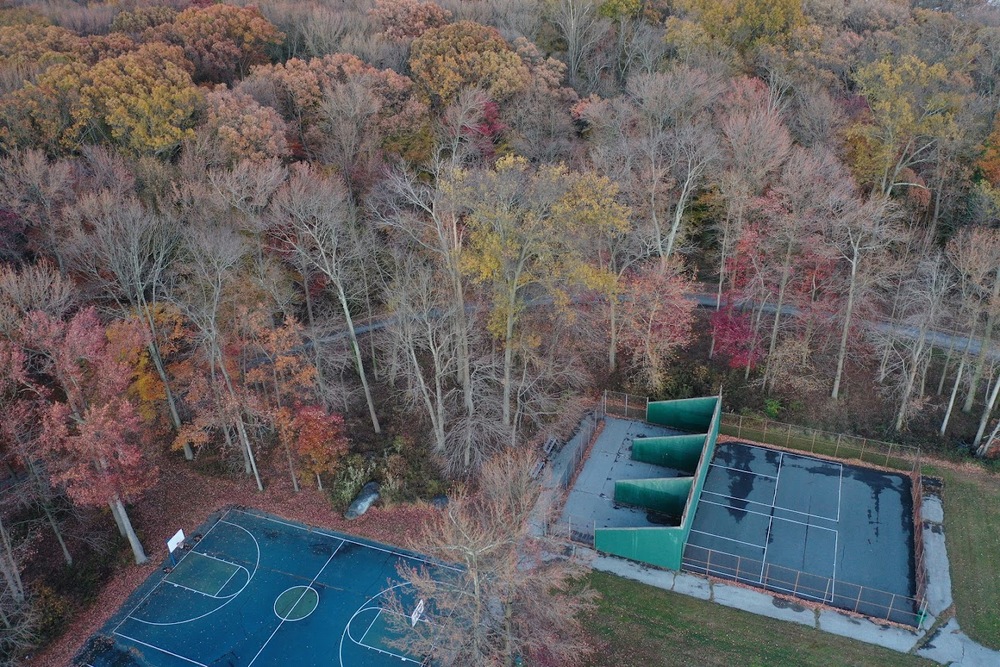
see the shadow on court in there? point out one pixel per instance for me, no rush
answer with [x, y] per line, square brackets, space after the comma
[819, 530]
[255, 590]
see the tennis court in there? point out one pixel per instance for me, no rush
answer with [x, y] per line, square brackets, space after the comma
[820, 530]
[255, 590]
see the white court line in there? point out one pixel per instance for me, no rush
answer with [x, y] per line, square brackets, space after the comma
[347, 629]
[763, 560]
[728, 539]
[840, 488]
[161, 650]
[778, 507]
[350, 541]
[833, 578]
[781, 458]
[370, 625]
[153, 589]
[747, 472]
[226, 583]
[228, 598]
[779, 518]
[296, 603]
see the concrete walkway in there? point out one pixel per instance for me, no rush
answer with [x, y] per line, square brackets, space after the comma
[945, 644]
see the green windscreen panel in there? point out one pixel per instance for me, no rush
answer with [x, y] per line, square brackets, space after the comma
[698, 481]
[680, 452]
[662, 547]
[667, 495]
[690, 414]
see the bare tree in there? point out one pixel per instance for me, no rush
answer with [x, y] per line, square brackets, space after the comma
[211, 257]
[859, 236]
[921, 307]
[509, 598]
[313, 217]
[582, 27]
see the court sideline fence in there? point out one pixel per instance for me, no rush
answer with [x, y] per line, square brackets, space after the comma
[864, 600]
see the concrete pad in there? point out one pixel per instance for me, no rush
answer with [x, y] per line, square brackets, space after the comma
[932, 509]
[950, 645]
[635, 571]
[890, 637]
[938, 575]
[696, 587]
[763, 604]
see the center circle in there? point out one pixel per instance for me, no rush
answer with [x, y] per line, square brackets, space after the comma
[296, 603]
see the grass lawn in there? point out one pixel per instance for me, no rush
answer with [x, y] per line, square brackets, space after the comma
[972, 534]
[642, 626]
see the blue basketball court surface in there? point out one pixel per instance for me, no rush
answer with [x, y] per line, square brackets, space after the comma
[820, 530]
[256, 590]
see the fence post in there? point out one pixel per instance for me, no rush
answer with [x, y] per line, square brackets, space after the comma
[739, 428]
[788, 435]
[763, 436]
[812, 448]
[892, 601]
[888, 455]
[858, 602]
[864, 441]
[836, 449]
[795, 586]
[626, 406]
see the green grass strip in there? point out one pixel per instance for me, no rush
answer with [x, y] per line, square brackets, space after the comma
[638, 625]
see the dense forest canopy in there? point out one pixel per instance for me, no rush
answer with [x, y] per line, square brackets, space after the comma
[351, 239]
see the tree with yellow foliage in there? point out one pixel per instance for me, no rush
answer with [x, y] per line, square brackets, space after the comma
[445, 60]
[527, 229]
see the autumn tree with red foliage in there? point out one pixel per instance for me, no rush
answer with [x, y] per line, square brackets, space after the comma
[90, 430]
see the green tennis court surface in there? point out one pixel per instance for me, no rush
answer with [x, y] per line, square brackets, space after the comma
[260, 591]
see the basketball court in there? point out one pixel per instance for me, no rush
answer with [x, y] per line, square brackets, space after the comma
[819, 530]
[254, 590]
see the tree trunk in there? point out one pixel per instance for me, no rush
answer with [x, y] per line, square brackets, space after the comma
[118, 509]
[786, 269]
[986, 415]
[944, 371]
[984, 348]
[8, 566]
[357, 357]
[954, 393]
[848, 313]
[911, 378]
[43, 489]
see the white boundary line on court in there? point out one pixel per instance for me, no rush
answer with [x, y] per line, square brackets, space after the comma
[774, 498]
[767, 540]
[369, 628]
[728, 539]
[226, 583]
[779, 518]
[366, 607]
[308, 588]
[745, 472]
[777, 507]
[350, 541]
[840, 488]
[274, 607]
[228, 598]
[161, 650]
